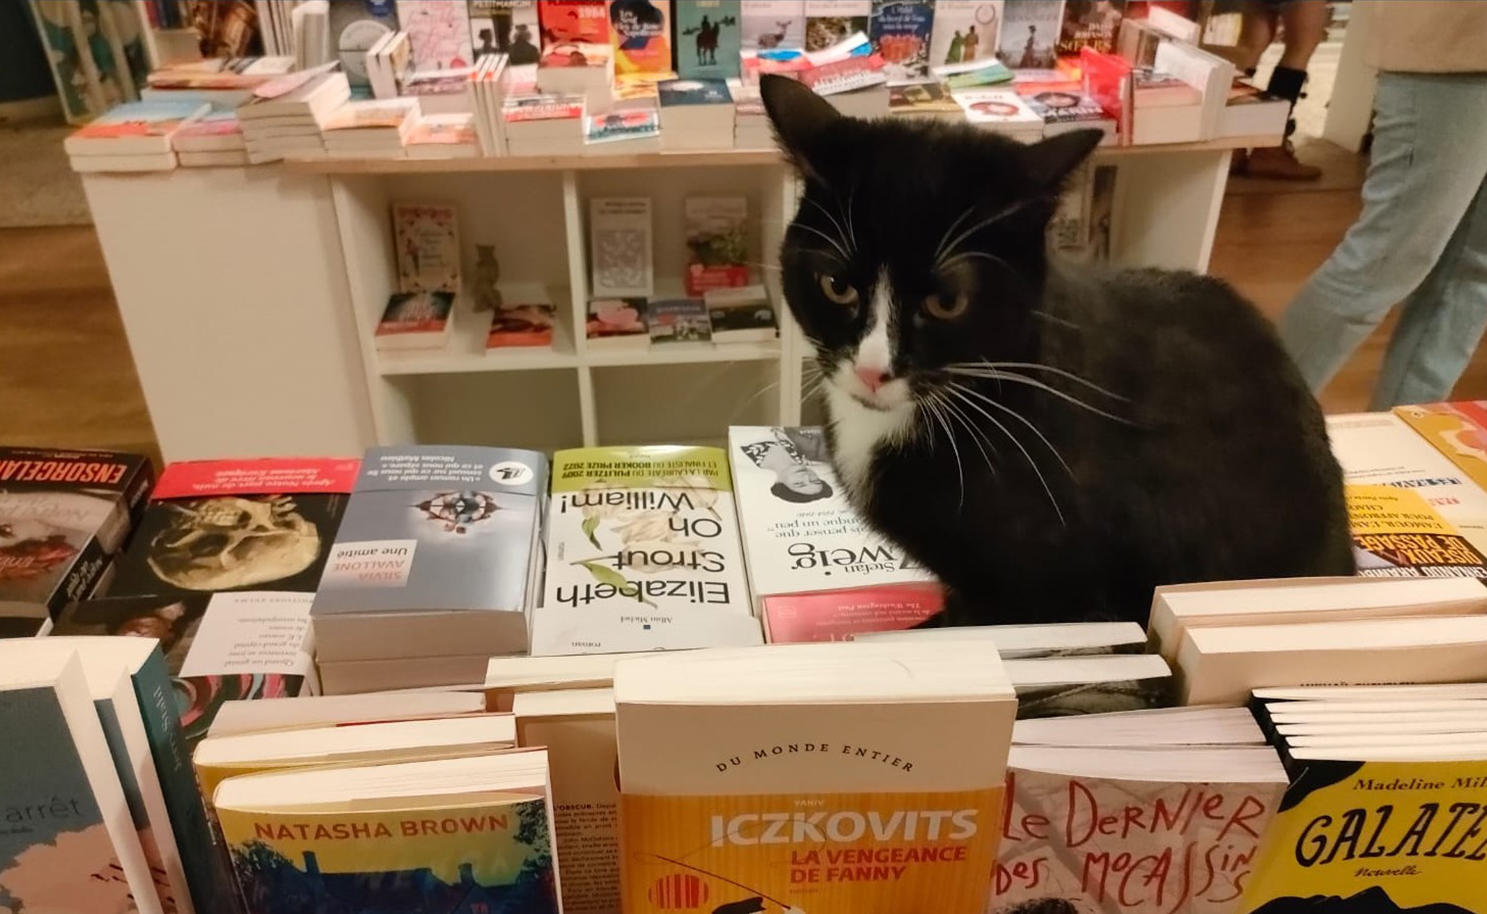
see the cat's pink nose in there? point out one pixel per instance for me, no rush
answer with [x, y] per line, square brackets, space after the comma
[873, 378]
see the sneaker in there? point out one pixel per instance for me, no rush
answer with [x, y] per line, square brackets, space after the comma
[1280, 162]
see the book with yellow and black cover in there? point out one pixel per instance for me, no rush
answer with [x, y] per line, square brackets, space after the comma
[834, 778]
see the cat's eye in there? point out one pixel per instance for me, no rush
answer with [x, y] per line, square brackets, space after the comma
[946, 308]
[838, 290]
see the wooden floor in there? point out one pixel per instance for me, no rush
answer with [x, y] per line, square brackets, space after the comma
[67, 378]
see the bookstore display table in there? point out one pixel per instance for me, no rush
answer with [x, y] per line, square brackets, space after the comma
[250, 300]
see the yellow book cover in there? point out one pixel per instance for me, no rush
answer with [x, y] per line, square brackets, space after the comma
[1376, 838]
[860, 853]
[1458, 430]
[490, 853]
[1396, 533]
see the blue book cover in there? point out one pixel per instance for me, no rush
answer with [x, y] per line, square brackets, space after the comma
[708, 39]
[56, 853]
[677, 93]
[900, 31]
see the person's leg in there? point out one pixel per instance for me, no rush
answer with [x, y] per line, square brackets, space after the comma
[1256, 31]
[1427, 165]
[1442, 321]
[1304, 26]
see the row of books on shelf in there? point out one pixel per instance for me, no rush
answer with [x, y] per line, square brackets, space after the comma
[1153, 87]
[885, 769]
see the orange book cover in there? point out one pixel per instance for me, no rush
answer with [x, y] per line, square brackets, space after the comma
[1458, 430]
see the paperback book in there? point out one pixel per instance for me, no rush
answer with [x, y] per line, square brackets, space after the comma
[900, 32]
[506, 27]
[1030, 34]
[416, 320]
[573, 22]
[215, 525]
[965, 31]
[615, 323]
[434, 556]
[1457, 430]
[525, 320]
[741, 314]
[708, 39]
[773, 24]
[640, 33]
[678, 320]
[439, 33]
[620, 247]
[830, 22]
[640, 537]
[427, 239]
[1091, 25]
[62, 515]
[717, 242]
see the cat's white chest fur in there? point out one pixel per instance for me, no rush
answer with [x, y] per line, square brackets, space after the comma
[858, 433]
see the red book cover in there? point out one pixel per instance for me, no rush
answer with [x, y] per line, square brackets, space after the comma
[1105, 76]
[836, 615]
[263, 476]
[562, 21]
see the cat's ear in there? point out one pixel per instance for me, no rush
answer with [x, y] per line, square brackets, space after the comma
[801, 120]
[1050, 161]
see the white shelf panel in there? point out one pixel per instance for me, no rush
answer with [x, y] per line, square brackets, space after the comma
[685, 353]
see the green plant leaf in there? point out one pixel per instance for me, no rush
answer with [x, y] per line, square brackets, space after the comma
[590, 524]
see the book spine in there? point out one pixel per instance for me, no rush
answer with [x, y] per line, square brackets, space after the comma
[137, 493]
[80, 578]
[205, 870]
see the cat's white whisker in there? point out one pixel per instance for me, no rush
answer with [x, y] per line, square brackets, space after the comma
[977, 436]
[990, 220]
[935, 411]
[827, 238]
[1029, 457]
[827, 213]
[1020, 418]
[1039, 366]
[1030, 382]
[1062, 321]
[940, 249]
[851, 227]
[971, 255]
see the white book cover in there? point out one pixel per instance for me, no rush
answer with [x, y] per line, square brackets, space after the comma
[998, 109]
[1208, 73]
[799, 531]
[620, 247]
[773, 24]
[965, 31]
[639, 532]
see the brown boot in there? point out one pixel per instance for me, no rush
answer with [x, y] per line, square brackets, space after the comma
[1239, 163]
[1280, 162]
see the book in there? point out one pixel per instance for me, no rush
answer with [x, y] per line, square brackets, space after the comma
[1090, 25]
[443, 136]
[830, 22]
[219, 131]
[356, 25]
[640, 34]
[965, 31]
[892, 752]
[622, 132]
[644, 538]
[1067, 639]
[923, 100]
[438, 33]
[773, 24]
[63, 515]
[620, 243]
[741, 314]
[1160, 727]
[576, 726]
[215, 525]
[381, 838]
[449, 671]
[1030, 33]
[507, 677]
[900, 32]
[70, 842]
[1057, 686]
[434, 555]
[1380, 449]
[427, 239]
[134, 128]
[526, 318]
[987, 71]
[717, 242]
[1251, 111]
[239, 716]
[708, 39]
[218, 758]
[416, 320]
[1364, 826]
[695, 114]
[1175, 609]
[849, 81]
[1002, 111]
[841, 615]
[1222, 664]
[678, 320]
[1457, 430]
[573, 21]
[217, 648]
[802, 536]
[617, 323]
[388, 63]
[1194, 816]
[507, 27]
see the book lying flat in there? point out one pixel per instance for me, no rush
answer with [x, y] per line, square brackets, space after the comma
[314, 711]
[507, 677]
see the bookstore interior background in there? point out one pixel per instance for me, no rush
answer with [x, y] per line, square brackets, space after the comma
[740, 456]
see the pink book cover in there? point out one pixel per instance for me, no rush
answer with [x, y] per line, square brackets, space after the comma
[836, 615]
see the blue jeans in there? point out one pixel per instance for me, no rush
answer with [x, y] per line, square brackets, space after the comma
[1421, 239]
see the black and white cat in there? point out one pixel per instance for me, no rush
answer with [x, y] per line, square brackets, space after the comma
[1051, 442]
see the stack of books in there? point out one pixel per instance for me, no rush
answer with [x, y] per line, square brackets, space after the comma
[1001, 111]
[544, 125]
[583, 69]
[443, 136]
[924, 101]
[491, 84]
[372, 129]
[213, 139]
[388, 62]
[751, 127]
[435, 568]
[450, 91]
[622, 132]
[135, 136]
[288, 124]
[65, 516]
[225, 82]
[695, 114]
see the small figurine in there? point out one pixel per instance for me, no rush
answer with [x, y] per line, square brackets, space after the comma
[487, 274]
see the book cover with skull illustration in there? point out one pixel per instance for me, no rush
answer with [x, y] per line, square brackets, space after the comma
[62, 515]
[643, 553]
[220, 525]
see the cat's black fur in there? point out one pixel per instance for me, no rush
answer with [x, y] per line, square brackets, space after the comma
[1200, 454]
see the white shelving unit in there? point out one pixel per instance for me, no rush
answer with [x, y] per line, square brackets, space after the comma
[571, 395]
